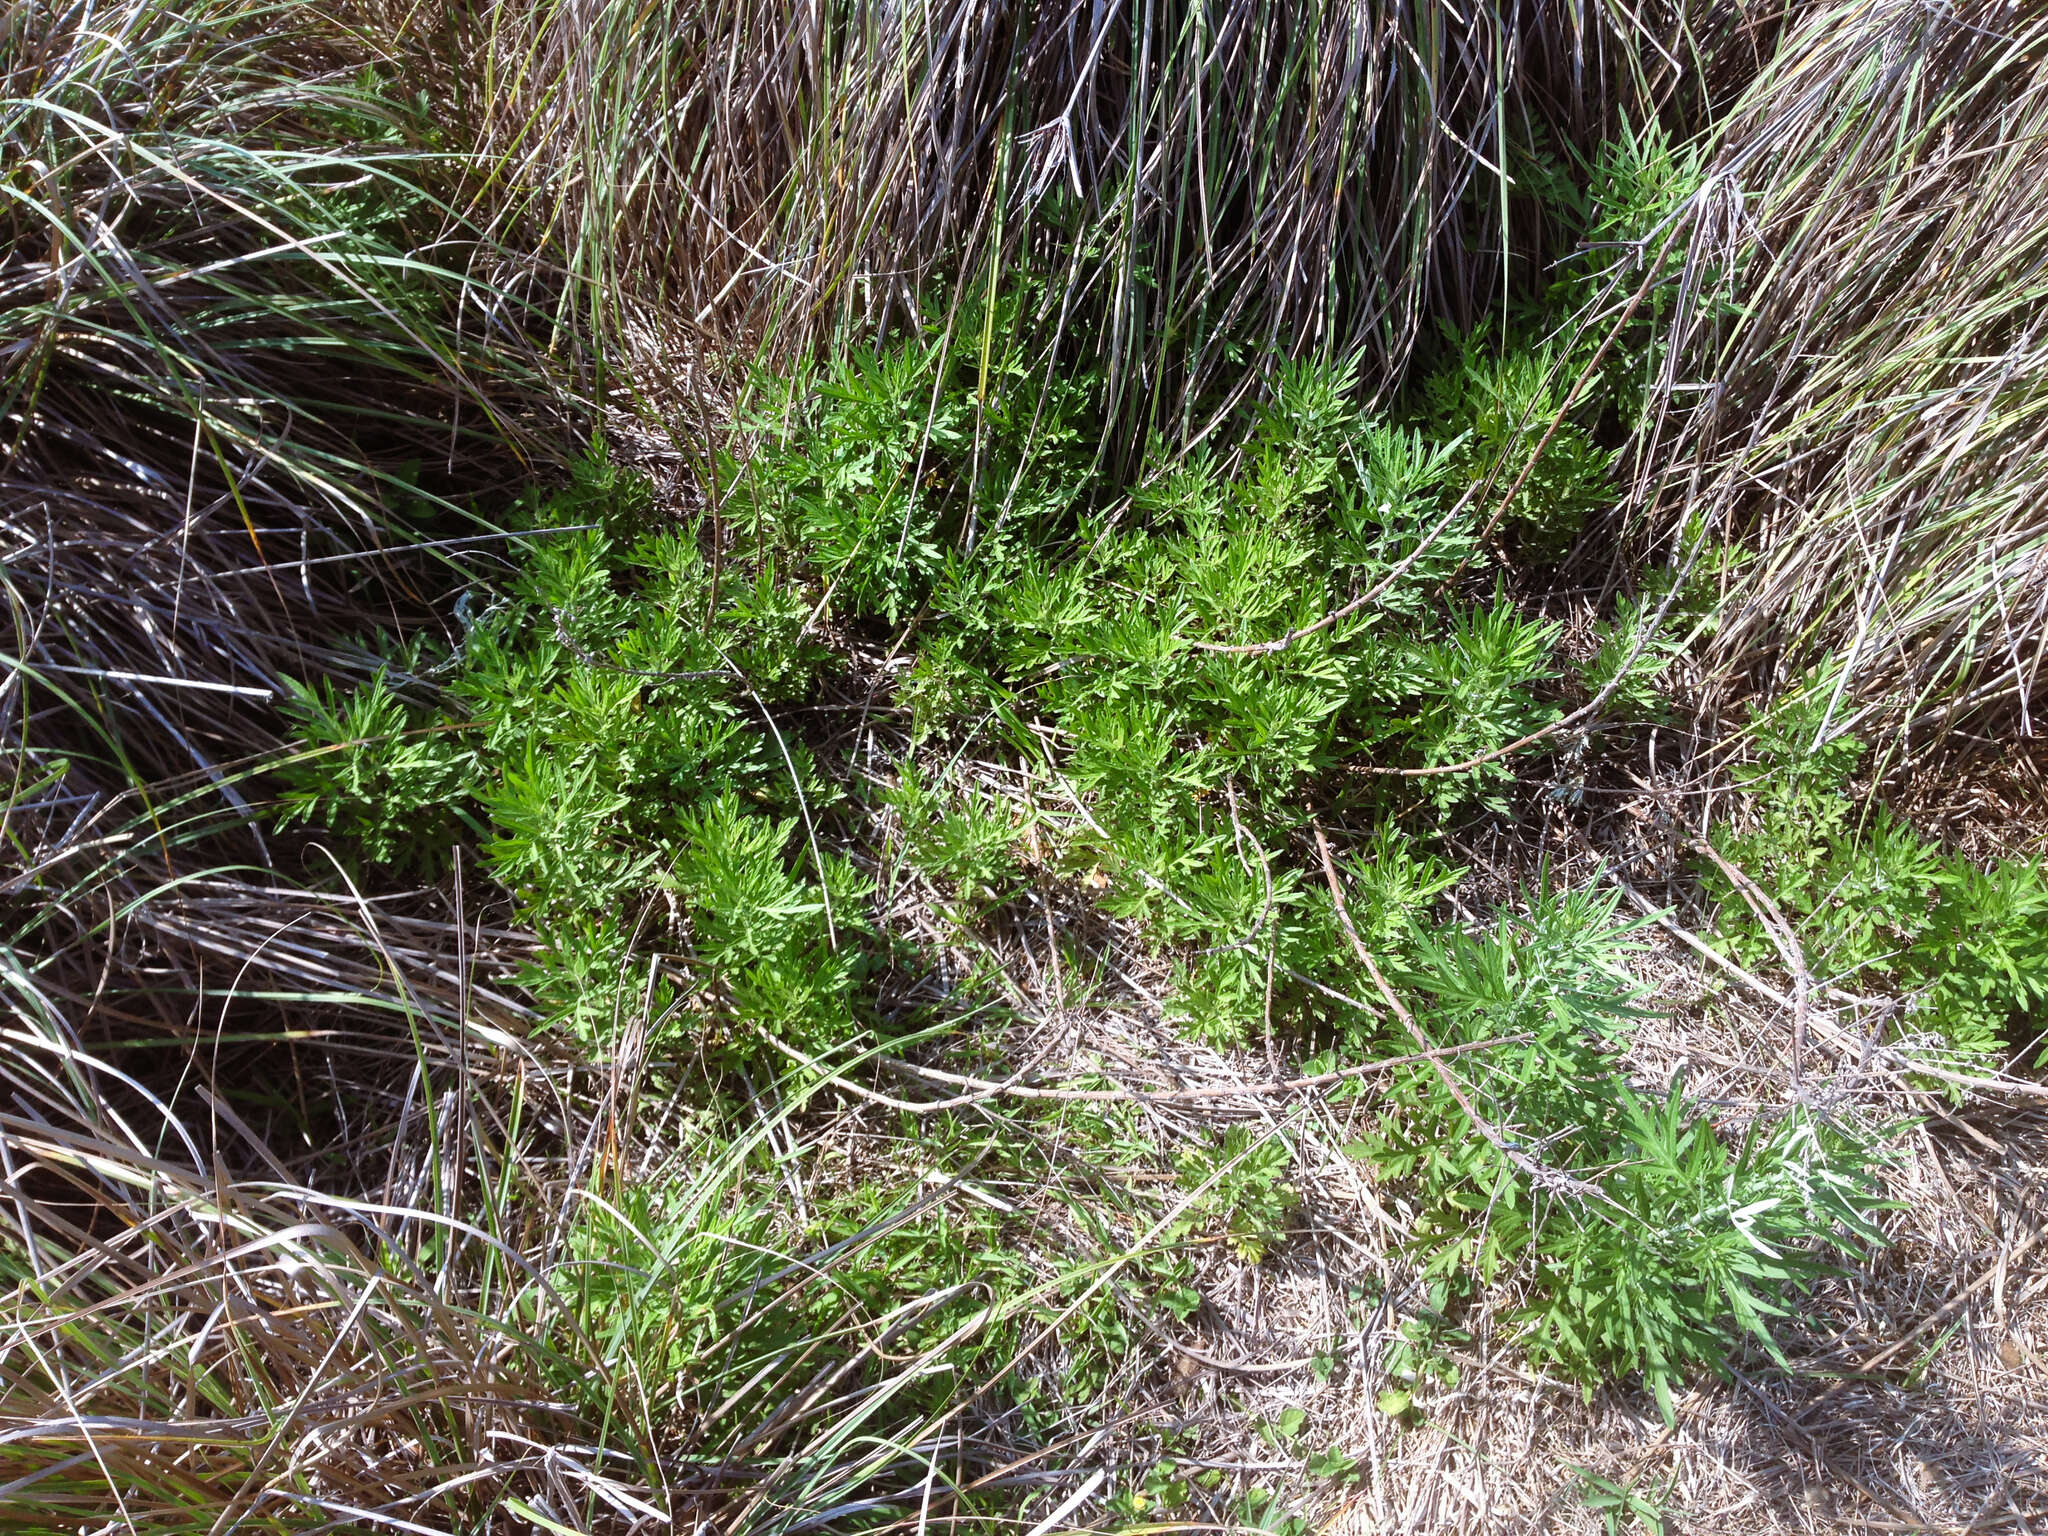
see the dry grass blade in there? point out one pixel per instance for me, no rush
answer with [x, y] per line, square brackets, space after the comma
[239, 334]
[247, 344]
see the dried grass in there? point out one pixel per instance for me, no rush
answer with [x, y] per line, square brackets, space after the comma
[193, 1337]
[1173, 193]
[1855, 392]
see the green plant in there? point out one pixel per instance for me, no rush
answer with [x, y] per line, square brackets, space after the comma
[636, 808]
[857, 494]
[1632, 659]
[971, 844]
[1163, 1487]
[607, 753]
[1263, 1509]
[1201, 643]
[1480, 690]
[386, 775]
[1521, 452]
[662, 1279]
[1395, 882]
[1629, 204]
[1281, 1433]
[1334, 1466]
[1873, 904]
[1647, 1243]
[1620, 1503]
[1693, 1236]
[1242, 1181]
[1419, 1355]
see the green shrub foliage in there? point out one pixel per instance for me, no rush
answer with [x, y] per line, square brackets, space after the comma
[1877, 907]
[1306, 619]
[601, 724]
[1188, 663]
[1649, 1240]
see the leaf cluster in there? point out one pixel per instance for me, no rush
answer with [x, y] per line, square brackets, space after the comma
[1878, 907]
[1647, 1237]
[600, 726]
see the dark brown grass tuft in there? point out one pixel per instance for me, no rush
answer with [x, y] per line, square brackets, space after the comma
[245, 346]
[249, 356]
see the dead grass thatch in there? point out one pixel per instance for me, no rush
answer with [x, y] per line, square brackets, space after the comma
[1855, 391]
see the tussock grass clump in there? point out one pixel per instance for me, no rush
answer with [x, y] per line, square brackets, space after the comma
[245, 347]
[180, 1347]
[249, 350]
[241, 333]
[1856, 391]
[1173, 194]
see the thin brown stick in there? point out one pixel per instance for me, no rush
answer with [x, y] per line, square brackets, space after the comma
[1782, 935]
[1926, 1325]
[985, 1089]
[1953, 1305]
